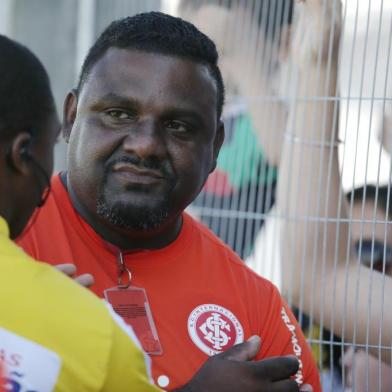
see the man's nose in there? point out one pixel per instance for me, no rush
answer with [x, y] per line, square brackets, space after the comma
[145, 140]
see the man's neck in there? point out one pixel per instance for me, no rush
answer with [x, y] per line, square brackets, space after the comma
[121, 238]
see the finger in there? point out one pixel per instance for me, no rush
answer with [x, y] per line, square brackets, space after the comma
[277, 368]
[244, 351]
[284, 386]
[306, 388]
[85, 280]
[67, 269]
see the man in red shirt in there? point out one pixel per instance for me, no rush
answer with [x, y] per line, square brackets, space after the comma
[144, 132]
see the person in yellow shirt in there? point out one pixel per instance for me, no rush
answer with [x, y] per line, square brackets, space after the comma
[54, 334]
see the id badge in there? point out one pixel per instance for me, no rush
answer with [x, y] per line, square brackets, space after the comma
[132, 305]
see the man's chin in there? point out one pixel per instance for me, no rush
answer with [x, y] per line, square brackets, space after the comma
[133, 217]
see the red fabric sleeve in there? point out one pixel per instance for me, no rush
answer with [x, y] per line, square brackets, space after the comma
[283, 336]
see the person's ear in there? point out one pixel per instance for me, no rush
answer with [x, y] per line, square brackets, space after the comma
[218, 141]
[19, 152]
[69, 113]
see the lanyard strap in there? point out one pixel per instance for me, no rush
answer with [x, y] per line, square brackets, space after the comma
[124, 274]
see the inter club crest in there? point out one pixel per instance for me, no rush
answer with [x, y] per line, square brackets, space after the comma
[214, 329]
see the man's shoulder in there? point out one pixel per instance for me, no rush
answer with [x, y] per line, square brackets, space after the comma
[211, 242]
[224, 255]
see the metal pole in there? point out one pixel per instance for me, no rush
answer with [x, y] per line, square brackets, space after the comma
[85, 31]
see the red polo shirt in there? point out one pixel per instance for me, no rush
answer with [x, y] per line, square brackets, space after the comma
[203, 298]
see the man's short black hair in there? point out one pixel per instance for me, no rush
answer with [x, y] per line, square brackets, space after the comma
[26, 98]
[270, 15]
[155, 32]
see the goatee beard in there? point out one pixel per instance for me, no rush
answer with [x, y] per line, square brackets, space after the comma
[128, 217]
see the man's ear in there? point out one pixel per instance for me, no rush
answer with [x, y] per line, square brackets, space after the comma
[69, 113]
[18, 154]
[218, 141]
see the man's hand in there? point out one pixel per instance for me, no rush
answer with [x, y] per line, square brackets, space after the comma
[233, 371]
[85, 280]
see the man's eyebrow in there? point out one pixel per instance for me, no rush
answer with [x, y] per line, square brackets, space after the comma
[114, 99]
[185, 112]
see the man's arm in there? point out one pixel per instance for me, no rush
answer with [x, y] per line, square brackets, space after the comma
[321, 275]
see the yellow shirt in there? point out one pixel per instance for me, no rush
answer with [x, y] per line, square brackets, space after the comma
[57, 336]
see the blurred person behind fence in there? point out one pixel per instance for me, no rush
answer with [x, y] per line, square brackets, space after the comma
[371, 214]
[317, 252]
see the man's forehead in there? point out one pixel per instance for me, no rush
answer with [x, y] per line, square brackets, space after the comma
[137, 67]
[126, 72]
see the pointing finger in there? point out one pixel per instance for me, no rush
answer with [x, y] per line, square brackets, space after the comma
[284, 386]
[278, 368]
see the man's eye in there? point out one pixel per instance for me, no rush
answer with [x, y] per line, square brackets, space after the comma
[118, 114]
[177, 126]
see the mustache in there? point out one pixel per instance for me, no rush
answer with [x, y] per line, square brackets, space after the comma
[149, 163]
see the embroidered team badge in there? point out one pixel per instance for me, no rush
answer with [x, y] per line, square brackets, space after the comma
[214, 329]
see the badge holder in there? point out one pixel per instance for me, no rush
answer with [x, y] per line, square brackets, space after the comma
[132, 305]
